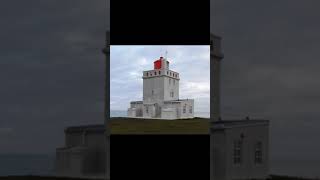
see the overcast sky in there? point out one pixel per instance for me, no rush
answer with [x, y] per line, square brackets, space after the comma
[128, 62]
[51, 70]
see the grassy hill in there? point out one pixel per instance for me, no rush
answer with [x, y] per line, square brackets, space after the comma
[196, 125]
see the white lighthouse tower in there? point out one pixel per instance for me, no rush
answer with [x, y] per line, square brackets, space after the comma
[161, 95]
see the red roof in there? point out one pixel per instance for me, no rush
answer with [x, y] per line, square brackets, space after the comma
[157, 63]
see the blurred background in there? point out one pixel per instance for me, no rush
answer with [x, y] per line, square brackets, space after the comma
[52, 76]
[270, 71]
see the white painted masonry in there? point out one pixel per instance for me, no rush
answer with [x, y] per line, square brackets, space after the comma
[161, 95]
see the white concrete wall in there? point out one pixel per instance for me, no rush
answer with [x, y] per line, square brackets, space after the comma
[168, 113]
[151, 111]
[165, 64]
[171, 85]
[176, 106]
[139, 110]
[188, 104]
[131, 112]
[248, 169]
[218, 156]
[84, 158]
[70, 162]
[161, 84]
[76, 159]
[223, 143]
[96, 156]
[73, 139]
[95, 140]
[155, 85]
[135, 110]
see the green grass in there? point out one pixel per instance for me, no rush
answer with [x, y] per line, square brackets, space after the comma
[158, 126]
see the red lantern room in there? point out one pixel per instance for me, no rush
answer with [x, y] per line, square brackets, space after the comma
[157, 63]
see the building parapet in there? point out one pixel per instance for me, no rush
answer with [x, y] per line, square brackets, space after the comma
[86, 128]
[160, 72]
[225, 124]
[136, 102]
[178, 100]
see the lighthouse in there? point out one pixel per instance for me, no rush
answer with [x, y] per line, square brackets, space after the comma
[161, 95]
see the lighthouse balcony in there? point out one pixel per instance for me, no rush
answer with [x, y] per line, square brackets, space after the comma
[160, 72]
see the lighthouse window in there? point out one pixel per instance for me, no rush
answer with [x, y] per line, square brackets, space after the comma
[237, 152]
[147, 109]
[159, 72]
[258, 153]
[170, 73]
[190, 109]
[147, 74]
[184, 108]
[155, 73]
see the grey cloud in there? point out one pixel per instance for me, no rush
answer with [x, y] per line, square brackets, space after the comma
[270, 69]
[51, 70]
[6, 131]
